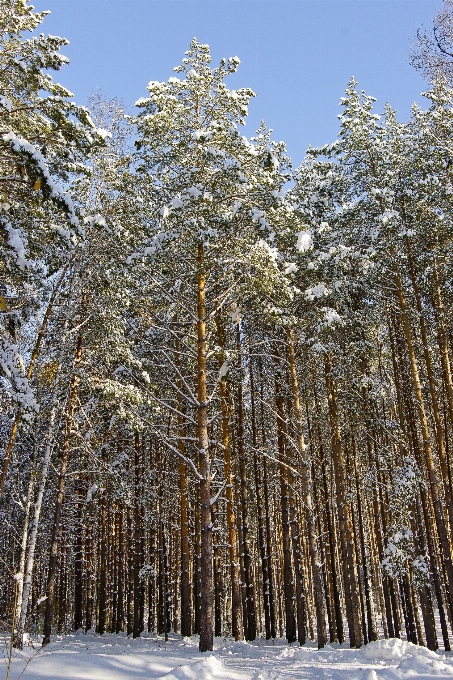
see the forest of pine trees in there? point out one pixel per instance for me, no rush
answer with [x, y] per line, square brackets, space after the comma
[227, 384]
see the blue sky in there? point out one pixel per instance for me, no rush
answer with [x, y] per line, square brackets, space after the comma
[297, 55]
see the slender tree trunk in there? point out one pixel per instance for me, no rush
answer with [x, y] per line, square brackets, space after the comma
[260, 512]
[371, 623]
[206, 614]
[347, 545]
[267, 515]
[102, 562]
[89, 575]
[307, 500]
[425, 591]
[245, 519]
[338, 631]
[119, 619]
[64, 457]
[186, 598]
[301, 604]
[78, 556]
[138, 560]
[18, 634]
[130, 575]
[217, 576]
[288, 581]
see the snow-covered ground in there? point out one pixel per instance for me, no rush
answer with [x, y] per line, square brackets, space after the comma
[111, 657]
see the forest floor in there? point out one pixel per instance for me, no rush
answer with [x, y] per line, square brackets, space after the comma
[116, 657]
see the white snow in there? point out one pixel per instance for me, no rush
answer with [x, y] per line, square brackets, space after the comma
[117, 657]
[105, 134]
[4, 101]
[21, 145]
[194, 192]
[15, 240]
[224, 369]
[304, 242]
[317, 291]
[290, 268]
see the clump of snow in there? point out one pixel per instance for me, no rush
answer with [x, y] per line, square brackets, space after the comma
[4, 101]
[291, 268]
[208, 669]
[316, 291]
[21, 145]
[424, 664]
[15, 240]
[105, 134]
[91, 491]
[224, 369]
[12, 367]
[304, 242]
[388, 650]
[194, 192]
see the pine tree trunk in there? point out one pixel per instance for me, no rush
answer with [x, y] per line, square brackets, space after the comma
[424, 591]
[197, 564]
[186, 597]
[137, 540]
[350, 581]
[338, 621]
[102, 562]
[217, 576]
[18, 633]
[235, 576]
[78, 556]
[307, 501]
[119, 618]
[64, 458]
[260, 512]
[301, 613]
[371, 623]
[37, 506]
[245, 518]
[89, 575]
[152, 582]
[130, 575]
[288, 582]
[206, 599]
[267, 515]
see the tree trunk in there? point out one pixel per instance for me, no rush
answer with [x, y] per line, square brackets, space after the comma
[235, 574]
[78, 556]
[347, 544]
[371, 623]
[250, 628]
[288, 582]
[102, 562]
[206, 614]
[305, 472]
[64, 457]
[261, 513]
[138, 559]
